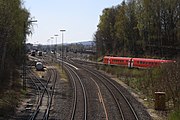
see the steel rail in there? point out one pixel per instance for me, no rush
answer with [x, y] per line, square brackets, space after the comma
[75, 93]
[36, 86]
[33, 116]
[112, 93]
[124, 97]
[84, 93]
[46, 115]
[132, 109]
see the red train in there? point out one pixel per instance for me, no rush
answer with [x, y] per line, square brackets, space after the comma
[134, 62]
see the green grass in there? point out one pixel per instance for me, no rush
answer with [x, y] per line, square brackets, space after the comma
[175, 115]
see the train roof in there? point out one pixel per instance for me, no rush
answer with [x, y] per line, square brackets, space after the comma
[149, 60]
[38, 63]
[117, 57]
[139, 59]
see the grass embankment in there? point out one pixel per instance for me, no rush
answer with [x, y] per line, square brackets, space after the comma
[148, 81]
[61, 72]
[11, 93]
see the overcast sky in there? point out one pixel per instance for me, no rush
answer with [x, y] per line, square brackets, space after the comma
[78, 17]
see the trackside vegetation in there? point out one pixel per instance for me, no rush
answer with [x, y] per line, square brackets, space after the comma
[14, 26]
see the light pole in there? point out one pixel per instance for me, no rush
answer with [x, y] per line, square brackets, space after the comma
[48, 48]
[56, 35]
[62, 46]
[52, 43]
[52, 51]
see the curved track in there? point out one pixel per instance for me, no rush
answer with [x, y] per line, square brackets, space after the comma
[122, 102]
[79, 110]
[126, 111]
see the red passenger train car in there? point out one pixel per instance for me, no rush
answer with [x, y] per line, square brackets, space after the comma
[134, 62]
[146, 63]
[123, 61]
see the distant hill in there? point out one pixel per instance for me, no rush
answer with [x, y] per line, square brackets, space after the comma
[87, 43]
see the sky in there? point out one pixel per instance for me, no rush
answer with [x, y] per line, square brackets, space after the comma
[78, 17]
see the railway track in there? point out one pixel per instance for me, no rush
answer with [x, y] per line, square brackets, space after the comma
[45, 95]
[126, 110]
[51, 92]
[91, 95]
[79, 109]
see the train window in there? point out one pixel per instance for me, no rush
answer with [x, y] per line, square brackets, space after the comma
[126, 60]
[140, 62]
[115, 61]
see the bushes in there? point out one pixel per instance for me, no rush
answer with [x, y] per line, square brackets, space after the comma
[171, 84]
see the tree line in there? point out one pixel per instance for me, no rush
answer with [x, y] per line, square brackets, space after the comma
[140, 28]
[14, 26]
